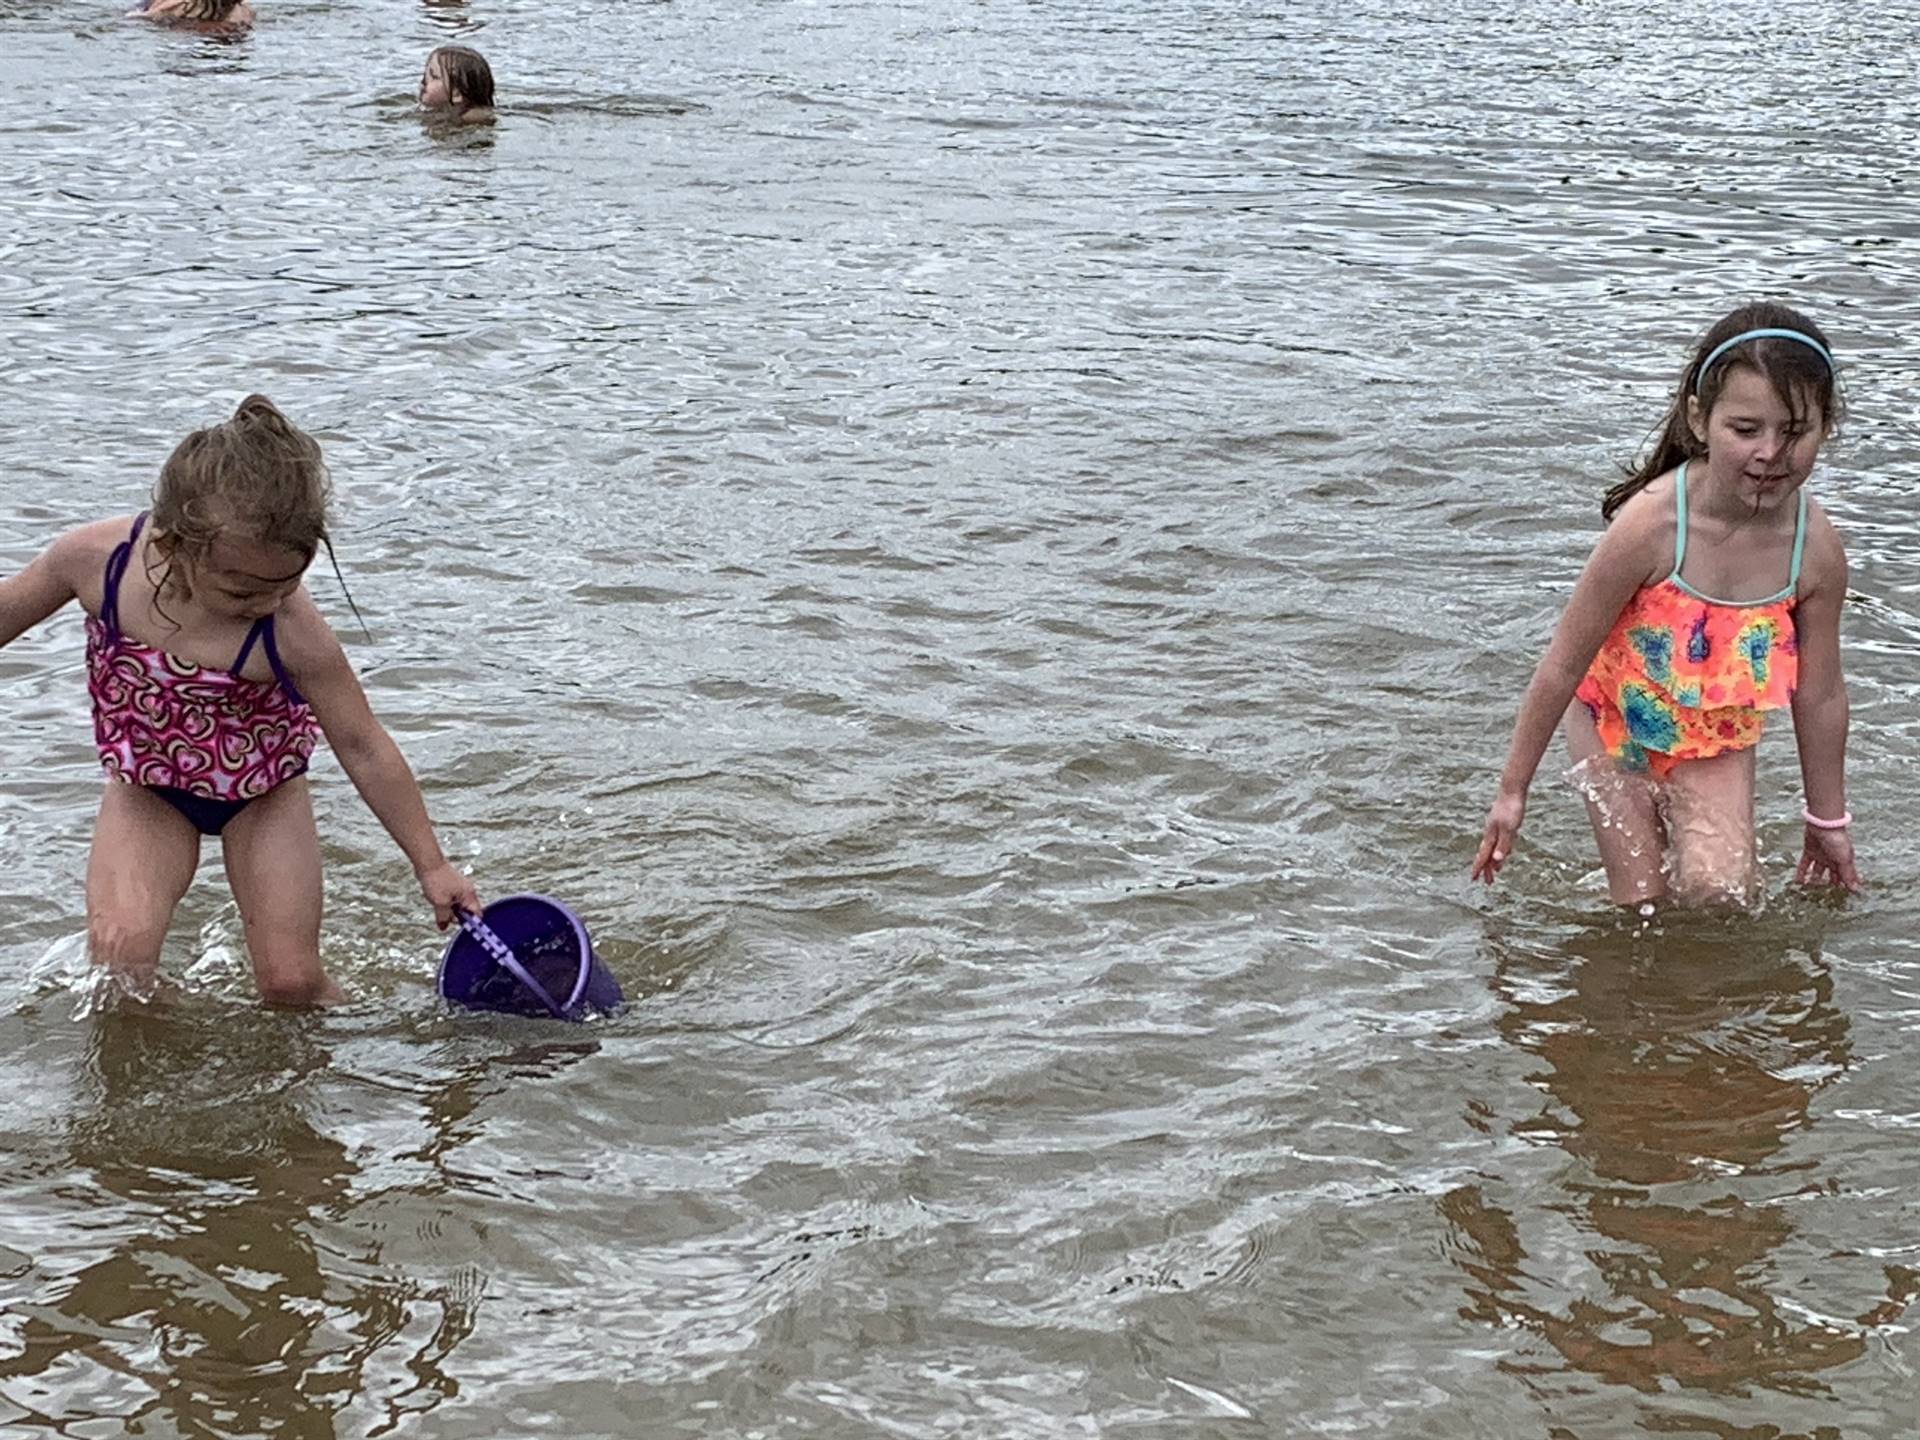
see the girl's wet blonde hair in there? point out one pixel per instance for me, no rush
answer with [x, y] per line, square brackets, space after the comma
[256, 477]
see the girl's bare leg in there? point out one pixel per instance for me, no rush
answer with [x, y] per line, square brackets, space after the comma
[143, 858]
[1626, 819]
[272, 854]
[1710, 820]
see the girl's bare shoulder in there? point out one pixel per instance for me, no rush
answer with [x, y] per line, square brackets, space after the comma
[80, 555]
[1642, 531]
[305, 638]
[95, 540]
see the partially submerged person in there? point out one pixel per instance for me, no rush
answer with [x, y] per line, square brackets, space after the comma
[458, 84]
[215, 15]
[213, 676]
[1713, 597]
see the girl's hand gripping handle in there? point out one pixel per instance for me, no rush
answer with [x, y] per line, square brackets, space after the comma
[447, 890]
[1496, 843]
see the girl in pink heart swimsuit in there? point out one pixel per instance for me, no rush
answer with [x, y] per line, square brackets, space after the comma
[212, 676]
[209, 742]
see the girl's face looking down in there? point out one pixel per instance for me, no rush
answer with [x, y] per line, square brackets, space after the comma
[246, 579]
[1759, 449]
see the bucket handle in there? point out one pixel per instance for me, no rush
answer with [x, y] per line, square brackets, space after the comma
[502, 952]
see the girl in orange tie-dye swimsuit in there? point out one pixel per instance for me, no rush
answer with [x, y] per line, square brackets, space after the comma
[1684, 676]
[1664, 670]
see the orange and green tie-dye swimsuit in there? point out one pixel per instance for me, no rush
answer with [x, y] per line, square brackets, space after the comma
[1683, 676]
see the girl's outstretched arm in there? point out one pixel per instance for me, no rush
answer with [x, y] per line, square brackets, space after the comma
[43, 587]
[313, 657]
[1820, 709]
[1639, 541]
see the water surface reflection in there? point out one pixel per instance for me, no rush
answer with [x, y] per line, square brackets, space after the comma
[198, 1292]
[1678, 1071]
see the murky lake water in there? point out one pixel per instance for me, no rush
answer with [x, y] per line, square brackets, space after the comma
[990, 549]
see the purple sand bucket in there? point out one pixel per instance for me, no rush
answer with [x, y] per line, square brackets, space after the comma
[527, 955]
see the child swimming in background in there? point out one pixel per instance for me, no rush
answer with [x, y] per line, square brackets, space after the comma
[1713, 597]
[212, 676]
[201, 14]
[458, 82]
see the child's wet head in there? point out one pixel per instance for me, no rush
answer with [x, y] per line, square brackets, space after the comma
[1762, 343]
[214, 16]
[1777, 345]
[458, 78]
[242, 508]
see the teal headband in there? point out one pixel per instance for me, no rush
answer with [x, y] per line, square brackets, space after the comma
[1767, 334]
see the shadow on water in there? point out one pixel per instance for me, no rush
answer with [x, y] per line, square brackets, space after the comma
[623, 107]
[479, 129]
[214, 1309]
[202, 55]
[455, 1111]
[461, 133]
[1678, 1066]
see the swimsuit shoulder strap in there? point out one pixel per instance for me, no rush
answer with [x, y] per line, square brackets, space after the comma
[1679, 518]
[280, 670]
[117, 563]
[1680, 543]
[1799, 543]
[262, 634]
[246, 649]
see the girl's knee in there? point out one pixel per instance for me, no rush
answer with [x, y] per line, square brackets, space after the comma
[1714, 864]
[1715, 891]
[1724, 879]
[123, 942]
[290, 973]
[1637, 889]
[299, 990]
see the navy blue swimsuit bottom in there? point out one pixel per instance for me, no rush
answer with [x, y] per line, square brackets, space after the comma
[207, 816]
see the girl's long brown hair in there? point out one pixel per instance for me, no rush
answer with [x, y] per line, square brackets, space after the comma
[468, 76]
[1798, 373]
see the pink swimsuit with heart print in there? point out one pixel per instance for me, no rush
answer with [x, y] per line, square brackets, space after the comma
[170, 724]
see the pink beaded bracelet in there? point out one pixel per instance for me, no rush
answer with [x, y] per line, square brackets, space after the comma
[1846, 819]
